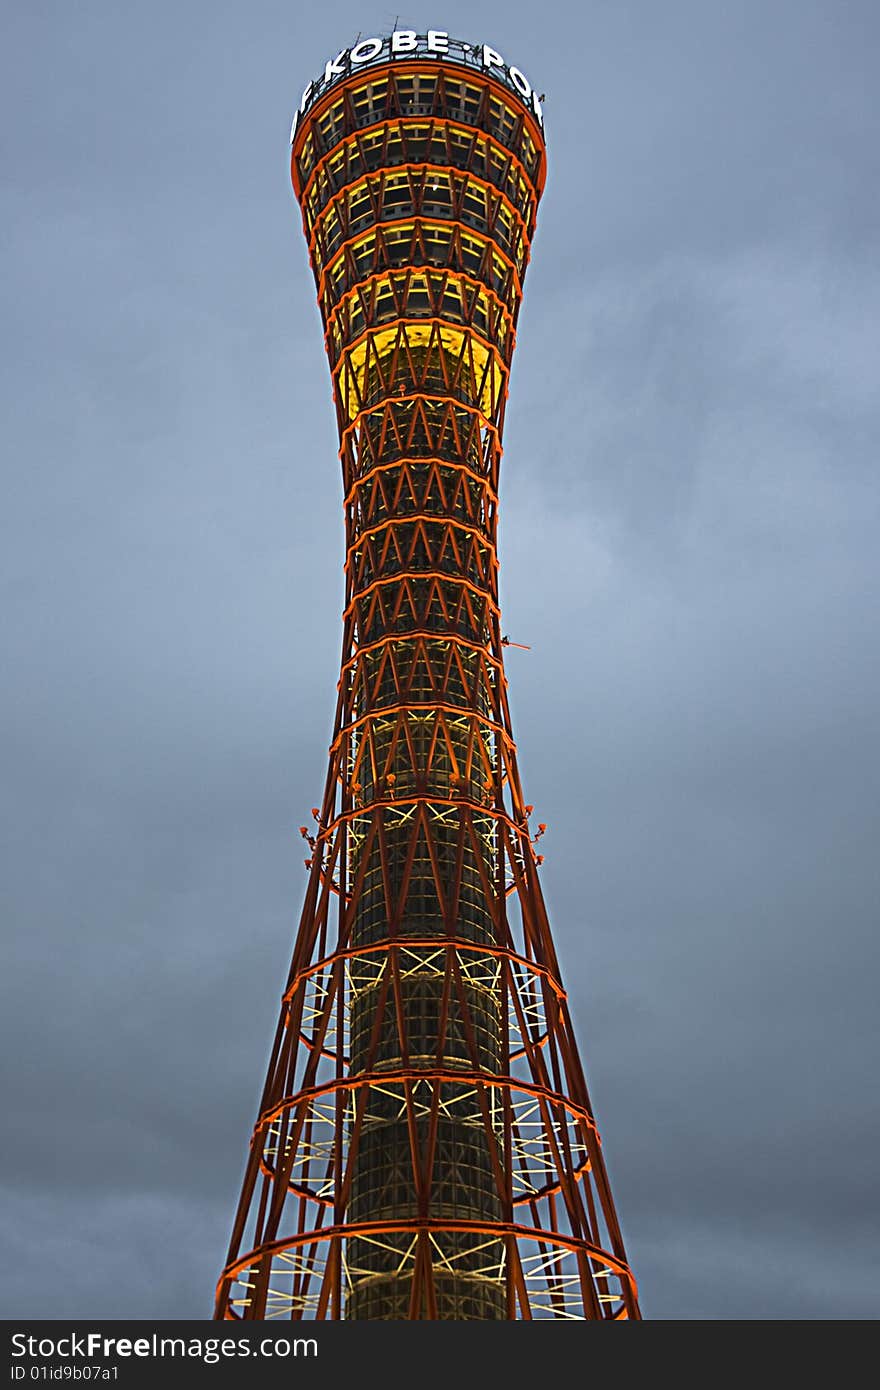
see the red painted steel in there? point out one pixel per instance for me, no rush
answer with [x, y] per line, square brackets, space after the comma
[425, 1146]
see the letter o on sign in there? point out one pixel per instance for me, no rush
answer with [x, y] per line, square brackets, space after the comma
[365, 50]
[519, 82]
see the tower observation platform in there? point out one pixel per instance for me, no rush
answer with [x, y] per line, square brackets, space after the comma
[425, 1146]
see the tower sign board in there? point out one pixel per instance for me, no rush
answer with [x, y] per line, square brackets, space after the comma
[405, 44]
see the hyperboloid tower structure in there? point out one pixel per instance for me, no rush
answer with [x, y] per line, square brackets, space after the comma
[425, 1146]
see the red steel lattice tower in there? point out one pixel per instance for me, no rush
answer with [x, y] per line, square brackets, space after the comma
[425, 1146]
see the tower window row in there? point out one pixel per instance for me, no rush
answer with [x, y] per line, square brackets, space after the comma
[417, 143]
[434, 93]
[436, 244]
[415, 294]
[393, 193]
[441, 196]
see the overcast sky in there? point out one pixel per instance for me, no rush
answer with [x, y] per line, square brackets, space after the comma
[688, 543]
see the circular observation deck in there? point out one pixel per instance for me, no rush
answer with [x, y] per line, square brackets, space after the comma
[412, 154]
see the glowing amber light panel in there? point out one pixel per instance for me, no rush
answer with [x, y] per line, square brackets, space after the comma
[425, 1146]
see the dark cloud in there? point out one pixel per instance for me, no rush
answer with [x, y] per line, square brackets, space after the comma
[688, 543]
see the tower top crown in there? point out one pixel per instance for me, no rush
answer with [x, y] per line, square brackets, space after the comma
[405, 45]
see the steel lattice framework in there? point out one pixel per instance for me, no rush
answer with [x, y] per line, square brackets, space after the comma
[425, 1147]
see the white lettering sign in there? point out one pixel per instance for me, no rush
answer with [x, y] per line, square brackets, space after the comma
[334, 68]
[404, 41]
[366, 49]
[519, 83]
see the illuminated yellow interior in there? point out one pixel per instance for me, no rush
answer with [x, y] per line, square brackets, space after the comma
[486, 377]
